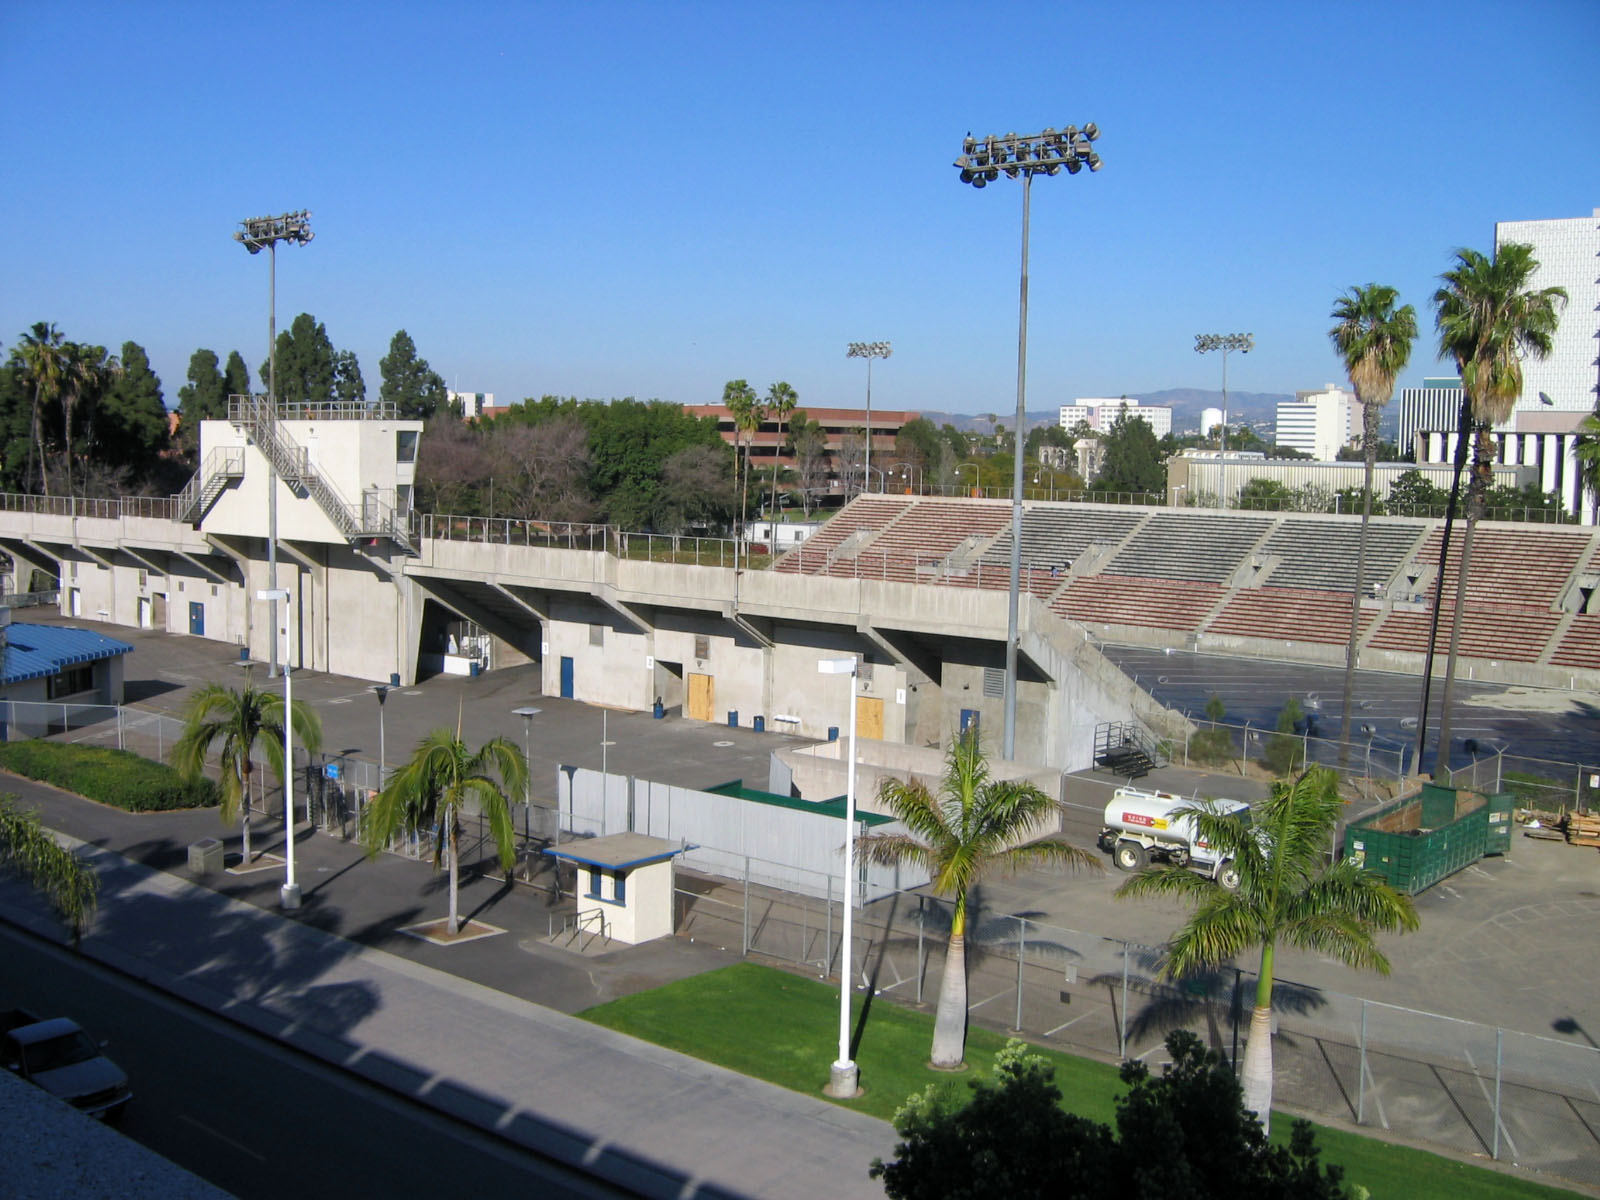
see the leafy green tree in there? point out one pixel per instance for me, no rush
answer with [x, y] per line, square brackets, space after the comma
[348, 385]
[203, 398]
[236, 380]
[1526, 503]
[1489, 320]
[16, 442]
[86, 373]
[1285, 751]
[1047, 435]
[1413, 494]
[1131, 460]
[1373, 339]
[808, 445]
[305, 363]
[130, 426]
[236, 723]
[629, 441]
[31, 853]
[1289, 894]
[973, 826]
[430, 792]
[1354, 499]
[1269, 495]
[960, 445]
[1184, 1133]
[415, 389]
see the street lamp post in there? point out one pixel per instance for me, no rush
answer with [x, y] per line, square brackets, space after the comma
[527, 713]
[981, 161]
[844, 1075]
[1204, 343]
[253, 234]
[868, 351]
[289, 894]
[381, 691]
[973, 467]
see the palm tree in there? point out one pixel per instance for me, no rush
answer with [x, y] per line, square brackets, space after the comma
[234, 722]
[1489, 320]
[1589, 459]
[430, 791]
[739, 398]
[1374, 340]
[1288, 894]
[84, 373]
[44, 357]
[971, 827]
[781, 401]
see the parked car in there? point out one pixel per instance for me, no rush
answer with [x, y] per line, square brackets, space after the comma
[58, 1056]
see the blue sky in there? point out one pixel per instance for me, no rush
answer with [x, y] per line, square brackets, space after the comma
[606, 199]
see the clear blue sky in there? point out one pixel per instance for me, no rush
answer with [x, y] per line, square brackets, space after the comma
[605, 199]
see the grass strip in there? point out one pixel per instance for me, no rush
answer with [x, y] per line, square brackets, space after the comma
[783, 1028]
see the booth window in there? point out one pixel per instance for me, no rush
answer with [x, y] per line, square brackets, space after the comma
[609, 887]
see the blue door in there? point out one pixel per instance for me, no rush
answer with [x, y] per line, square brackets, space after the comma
[566, 678]
[969, 719]
[197, 618]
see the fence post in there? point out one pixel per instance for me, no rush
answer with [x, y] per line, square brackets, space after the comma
[921, 914]
[119, 728]
[1499, 1038]
[827, 937]
[1361, 1070]
[1122, 1017]
[1022, 949]
[744, 935]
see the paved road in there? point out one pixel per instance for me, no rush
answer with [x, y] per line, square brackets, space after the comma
[257, 1119]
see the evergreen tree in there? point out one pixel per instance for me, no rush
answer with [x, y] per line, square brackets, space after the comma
[348, 385]
[1132, 458]
[235, 378]
[415, 389]
[129, 428]
[305, 363]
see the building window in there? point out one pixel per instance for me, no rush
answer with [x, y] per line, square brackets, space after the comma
[609, 887]
[70, 682]
[597, 635]
[702, 646]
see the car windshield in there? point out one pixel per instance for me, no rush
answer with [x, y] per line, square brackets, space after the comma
[56, 1052]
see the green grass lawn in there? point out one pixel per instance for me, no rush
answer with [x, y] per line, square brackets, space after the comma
[783, 1028]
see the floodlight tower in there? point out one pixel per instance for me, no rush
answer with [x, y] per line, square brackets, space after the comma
[1204, 343]
[981, 161]
[253, 234]
[868, 351]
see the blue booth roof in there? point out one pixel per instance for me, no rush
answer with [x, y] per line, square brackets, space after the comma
[39, 651]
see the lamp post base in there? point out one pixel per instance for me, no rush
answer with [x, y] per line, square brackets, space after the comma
[843, 1081]
[289, 896]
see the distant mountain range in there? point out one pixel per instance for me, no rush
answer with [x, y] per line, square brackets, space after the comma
[1186, 405]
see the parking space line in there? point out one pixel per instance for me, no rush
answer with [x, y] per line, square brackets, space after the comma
[996, 996]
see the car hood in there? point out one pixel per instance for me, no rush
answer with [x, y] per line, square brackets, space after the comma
[82, 1079]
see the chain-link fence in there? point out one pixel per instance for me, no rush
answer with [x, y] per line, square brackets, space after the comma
[1341, 1059]
[1543, 784]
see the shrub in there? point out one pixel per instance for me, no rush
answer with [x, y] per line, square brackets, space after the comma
[119, 778]
[1285, 751]
[1212, 746]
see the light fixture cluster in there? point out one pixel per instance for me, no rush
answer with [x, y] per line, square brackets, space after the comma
[257, 233]
[982, 159]
[867, 350]
[1242, 342]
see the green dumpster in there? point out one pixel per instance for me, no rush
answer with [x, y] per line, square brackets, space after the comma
[1417, 840]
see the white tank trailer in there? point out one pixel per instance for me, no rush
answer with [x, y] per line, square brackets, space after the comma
[1143, 826]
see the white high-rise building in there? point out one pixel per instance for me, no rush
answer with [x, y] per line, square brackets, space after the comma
[1319, 423]
[1568, 251]
[1101, 414]
[1431, 408]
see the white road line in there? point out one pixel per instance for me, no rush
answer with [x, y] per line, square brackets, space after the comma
[1484, 1088]
[1447, 888]
[996, 996]
[1064, 1024]
[221, 1137]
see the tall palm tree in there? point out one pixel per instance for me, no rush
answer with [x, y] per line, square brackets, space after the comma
[1288, 895]
[739, 398]
[43, 354]
[235, 722]
[971, 827]
[1489, 320]
[430, 791]
[1374, 338]
[1589, 459]
[781, 401]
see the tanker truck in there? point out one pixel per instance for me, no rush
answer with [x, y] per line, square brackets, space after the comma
[1143, 826]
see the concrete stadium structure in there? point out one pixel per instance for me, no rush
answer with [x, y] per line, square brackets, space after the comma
[915, 587]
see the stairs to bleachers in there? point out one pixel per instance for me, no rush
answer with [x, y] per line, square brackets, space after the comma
[864, 513]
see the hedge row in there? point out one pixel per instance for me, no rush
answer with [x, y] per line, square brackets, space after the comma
[116, 777]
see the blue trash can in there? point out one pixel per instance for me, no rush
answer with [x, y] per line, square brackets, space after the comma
[760, 724]
[833, 733]
[394, 679]
[472, 669]
[733, 718]
[660, 709]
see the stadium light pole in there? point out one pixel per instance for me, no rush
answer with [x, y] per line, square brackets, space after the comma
[527, 712]
[289, 894]
[980, 163]
[1204, 343]
[845, 1075]
[868, 351]
[254, 233]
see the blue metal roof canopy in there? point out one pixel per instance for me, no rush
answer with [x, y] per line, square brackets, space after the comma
[40, 651]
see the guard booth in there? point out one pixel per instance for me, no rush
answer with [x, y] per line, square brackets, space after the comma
[624, 884]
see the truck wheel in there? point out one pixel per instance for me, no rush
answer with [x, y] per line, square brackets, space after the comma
[1130, 856]
[1228, 876]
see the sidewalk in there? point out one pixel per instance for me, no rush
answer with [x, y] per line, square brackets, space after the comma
[456, 1027]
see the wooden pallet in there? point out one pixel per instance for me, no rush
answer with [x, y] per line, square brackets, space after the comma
[1582, 830]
